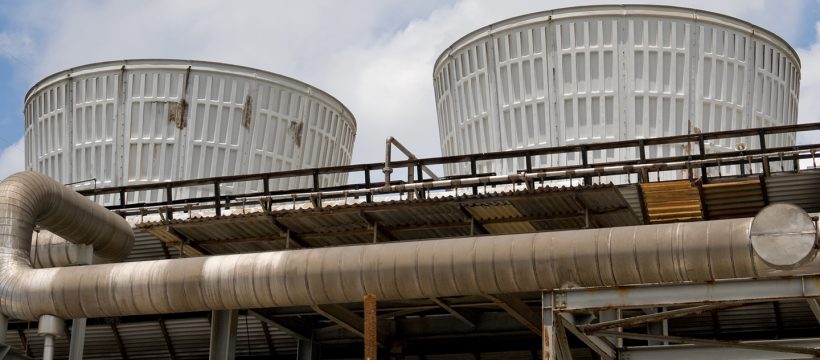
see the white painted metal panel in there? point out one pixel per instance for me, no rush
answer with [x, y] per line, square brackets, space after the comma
[603, 73]
[143, 121]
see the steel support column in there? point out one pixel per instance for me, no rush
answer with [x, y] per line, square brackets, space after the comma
[308, 350]
[4, 327]
[555, 345]
[223, 334]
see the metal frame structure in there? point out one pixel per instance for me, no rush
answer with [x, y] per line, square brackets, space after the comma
[641, 167]
[477, 324]
[692, 298]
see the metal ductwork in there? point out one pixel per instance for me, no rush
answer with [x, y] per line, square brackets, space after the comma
[669, 253]
[49, 250]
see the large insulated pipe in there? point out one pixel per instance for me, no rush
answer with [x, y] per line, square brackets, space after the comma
[669, 253]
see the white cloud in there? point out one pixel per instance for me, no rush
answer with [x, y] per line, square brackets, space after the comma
[354, 50]
[15, 46]
[12, 159]
[809, 110]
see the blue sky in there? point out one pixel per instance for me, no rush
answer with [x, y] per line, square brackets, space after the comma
[375, 56]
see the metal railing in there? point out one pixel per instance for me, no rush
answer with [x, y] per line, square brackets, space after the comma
[696, 166]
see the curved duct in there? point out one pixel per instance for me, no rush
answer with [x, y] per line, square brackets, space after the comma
[49, 250]
[668, 253]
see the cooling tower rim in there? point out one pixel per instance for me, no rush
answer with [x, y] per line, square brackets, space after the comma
[614, 10]
[195, 65]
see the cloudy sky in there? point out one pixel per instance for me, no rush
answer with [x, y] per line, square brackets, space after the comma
[375, 56]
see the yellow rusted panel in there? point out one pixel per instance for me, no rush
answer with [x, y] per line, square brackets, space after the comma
[672, 201]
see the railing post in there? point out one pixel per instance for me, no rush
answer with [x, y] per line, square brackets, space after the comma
[369, 196]
[702, 148]
[585, 164]
[169, 213]
[315, 180]
[642, 151]
[266, 185]
[217, 199]
[473, 171]
[420, 174]
[528, 162]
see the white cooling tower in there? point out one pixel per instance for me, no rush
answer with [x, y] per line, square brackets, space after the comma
[604, 73]
[142, 121]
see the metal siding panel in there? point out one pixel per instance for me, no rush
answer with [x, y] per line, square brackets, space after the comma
[122, 132]
[620, 73]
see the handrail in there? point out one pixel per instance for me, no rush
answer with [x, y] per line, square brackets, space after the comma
[472, 159]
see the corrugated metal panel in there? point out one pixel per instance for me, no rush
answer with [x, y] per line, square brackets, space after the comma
[146, 247]
[672, 201]
[501, 213]
[792, 188]
[733, 199]
[143, 340]
[191, 337]
[631, 194]
[233, 120]
[681, 70]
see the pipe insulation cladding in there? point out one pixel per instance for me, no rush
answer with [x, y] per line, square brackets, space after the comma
[667, 253]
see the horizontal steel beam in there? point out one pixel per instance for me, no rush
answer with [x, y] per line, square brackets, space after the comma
[750, 290]
[658, 316]
[716, 349]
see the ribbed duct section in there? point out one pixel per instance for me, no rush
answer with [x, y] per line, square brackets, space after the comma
[28, 199]
[668, 253]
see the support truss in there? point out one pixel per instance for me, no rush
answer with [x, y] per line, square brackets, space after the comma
[694, 298]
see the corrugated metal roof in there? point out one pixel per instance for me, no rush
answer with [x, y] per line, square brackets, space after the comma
[146, 247]
[733, 199]
[671, 201]
[520, 211]
[631, 194]
[793, 187]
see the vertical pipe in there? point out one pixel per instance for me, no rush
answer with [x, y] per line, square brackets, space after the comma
[48, 327]
[48, 348]
[75, 350]
[223, 334]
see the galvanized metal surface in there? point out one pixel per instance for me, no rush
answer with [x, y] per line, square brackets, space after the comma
[746, 290]
[783, 235]
[520, 211]
[601, 73]
[793, 189]
[733, 198]
[140, 121]
[631, 193]
[668, 253]
[706, 352]
[144, 340]
[28, 199]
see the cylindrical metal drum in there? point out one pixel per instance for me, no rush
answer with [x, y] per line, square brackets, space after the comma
[141, 121]
[604, 73]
